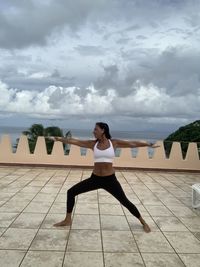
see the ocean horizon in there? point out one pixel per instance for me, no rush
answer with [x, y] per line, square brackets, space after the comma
[151, 136]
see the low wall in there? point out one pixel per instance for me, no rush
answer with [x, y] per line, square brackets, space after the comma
[125, 160]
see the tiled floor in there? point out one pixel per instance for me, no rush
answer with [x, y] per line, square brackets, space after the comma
[103, 232]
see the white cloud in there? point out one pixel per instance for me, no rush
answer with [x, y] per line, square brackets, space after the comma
[6, 95]
[39, 75]
[57, 102]
[142, 58]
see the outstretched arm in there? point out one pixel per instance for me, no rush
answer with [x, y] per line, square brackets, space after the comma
[131, 143]
[74, 141]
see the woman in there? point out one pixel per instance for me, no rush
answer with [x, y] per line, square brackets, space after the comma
[103, 175]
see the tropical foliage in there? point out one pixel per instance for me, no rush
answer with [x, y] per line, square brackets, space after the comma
[184, 135]
[39, 130]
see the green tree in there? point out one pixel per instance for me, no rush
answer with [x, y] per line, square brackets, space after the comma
[32, 134]
[184, 135]
[51, 131]
[38, 130]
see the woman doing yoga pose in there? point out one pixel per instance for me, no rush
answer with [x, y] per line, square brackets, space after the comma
[103, 174]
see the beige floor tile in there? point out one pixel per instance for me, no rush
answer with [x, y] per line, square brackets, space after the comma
[86, 208]
[108, 198]
[183, 242]
[11, 189]
[88, 197]
[83, 259]
[179, 193]
[181, 211]
[152, 242]
[7, 218]
[2, 229]
[58, 207]
[66, 186]
[193, 223]
[83, 221]
[28, 220]
[13, 206]
[21, 196]
[61, 198]
[136, 225]
[170, 224]
[163, 195]
[171, 201]
[31, 189]
[197, 235]
[196, 211]
[5, 196]
[158, 210]
[49, 239]
[56, 182]
[151, 201]
[53, 218]
[162, 260]
[118, 241]
[102, 192]
[11, 258]
[123, 259]
[2, 202]
[50, 189]
[37, 207]
[111, 209]
[37, 183]
[15, 238]
[144, 194]
[111, 222]
[190, 260]
[47, 197]
[43, 259]
[187, 201]
[84, 240]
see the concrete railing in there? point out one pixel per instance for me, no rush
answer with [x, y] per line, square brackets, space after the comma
[75, 158]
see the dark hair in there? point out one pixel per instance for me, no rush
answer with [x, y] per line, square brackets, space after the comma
[104, 126]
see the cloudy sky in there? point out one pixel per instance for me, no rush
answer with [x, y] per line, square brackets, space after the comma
[134, 64]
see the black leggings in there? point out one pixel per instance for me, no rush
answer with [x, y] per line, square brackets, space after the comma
[109, 183]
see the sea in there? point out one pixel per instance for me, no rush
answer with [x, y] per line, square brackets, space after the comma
[149, 136]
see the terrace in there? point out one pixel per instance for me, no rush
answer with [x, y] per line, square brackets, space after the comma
[33, 189]
[103, 232]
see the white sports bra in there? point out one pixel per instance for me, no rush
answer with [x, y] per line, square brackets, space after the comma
[105, 155]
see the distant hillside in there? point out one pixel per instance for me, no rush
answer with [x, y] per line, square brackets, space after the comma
[185, 134]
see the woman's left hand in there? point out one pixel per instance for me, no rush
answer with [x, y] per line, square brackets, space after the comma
[153, 145]
[52, 138]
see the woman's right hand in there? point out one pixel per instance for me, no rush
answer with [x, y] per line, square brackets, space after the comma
[53, 138]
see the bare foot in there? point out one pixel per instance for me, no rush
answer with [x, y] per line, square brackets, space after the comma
[146, 228]
[145, 225]
[64, 223]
